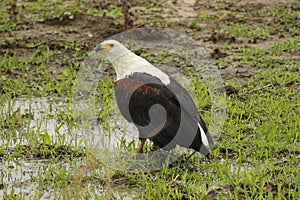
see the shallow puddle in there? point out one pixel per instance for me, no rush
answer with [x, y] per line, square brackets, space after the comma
[49, 116]
[25, 121]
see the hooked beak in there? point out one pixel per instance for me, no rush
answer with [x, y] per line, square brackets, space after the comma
[98, 48]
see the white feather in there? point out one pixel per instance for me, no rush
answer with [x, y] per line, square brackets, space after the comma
[203, 136]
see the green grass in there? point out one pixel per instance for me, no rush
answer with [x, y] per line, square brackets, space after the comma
[286, 15]
[256, 157]
[247, 31]
[203, 16]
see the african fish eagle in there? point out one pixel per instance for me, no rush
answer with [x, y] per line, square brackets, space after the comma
[161, 109]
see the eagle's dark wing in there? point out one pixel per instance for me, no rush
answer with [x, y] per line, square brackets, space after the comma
[177, 124]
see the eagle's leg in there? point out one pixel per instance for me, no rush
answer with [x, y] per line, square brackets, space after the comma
[140, 147]
[153, 147]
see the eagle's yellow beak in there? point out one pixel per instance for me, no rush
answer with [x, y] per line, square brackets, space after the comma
[104, 47]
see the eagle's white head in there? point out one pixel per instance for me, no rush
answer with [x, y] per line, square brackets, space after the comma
[126, 62]
[123, 60]
[113, 49]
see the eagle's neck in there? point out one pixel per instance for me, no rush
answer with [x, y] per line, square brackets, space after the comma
[126, 63]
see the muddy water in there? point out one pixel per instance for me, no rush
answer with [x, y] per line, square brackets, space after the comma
[47, 116]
